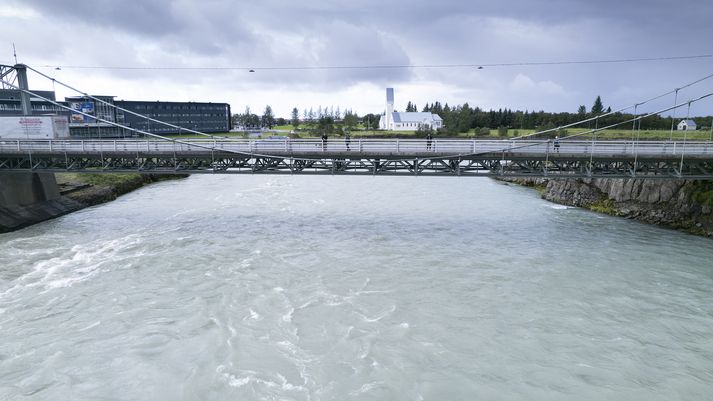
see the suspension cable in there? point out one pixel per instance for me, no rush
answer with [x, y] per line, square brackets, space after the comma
[122, 108]
[619, 110]
[213, 148]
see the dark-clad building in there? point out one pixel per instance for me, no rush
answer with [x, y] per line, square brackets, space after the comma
[96, 118]
[10, 103]
[203, 117]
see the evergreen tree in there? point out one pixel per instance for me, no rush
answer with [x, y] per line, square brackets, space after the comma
[295, 118]
[582, 111]
[597, 107]
[267, 119]
[350, 120]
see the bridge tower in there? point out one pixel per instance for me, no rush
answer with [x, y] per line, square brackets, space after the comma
[21, 71]
[27, 198]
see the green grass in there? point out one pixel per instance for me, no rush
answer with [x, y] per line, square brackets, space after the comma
[605, 206]
[703, 193]
[113, 179]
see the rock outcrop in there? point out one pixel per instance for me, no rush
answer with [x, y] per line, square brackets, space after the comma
[678, 204]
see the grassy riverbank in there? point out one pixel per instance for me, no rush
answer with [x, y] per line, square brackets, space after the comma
[95, 188]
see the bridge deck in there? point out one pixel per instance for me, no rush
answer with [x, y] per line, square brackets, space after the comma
[661, 159]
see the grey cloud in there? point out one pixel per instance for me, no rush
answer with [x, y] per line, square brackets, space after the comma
[275, 33]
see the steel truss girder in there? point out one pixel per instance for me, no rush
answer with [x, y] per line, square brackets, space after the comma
[471, 166]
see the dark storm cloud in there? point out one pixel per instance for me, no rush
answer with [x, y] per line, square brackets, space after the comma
[146, 17]
[246, 29]
[312, 33]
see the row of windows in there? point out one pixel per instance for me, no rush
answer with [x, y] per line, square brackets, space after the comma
[173, 107]
[43, 107]
[163, 115]
[410, 124]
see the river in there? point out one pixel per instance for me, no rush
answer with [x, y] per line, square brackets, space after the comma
[352, 288]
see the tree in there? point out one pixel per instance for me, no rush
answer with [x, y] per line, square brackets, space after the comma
[325, 126]
[582, 111]
[423, 130]
[295, 118]
[268, 119]
[350, 119]
[371, 121]
[597, 107]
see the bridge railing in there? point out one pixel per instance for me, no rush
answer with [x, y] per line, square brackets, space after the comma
[464, 147]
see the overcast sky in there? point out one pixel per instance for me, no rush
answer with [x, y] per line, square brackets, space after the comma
[317, 33]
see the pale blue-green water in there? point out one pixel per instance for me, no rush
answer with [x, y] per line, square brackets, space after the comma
[352, 288]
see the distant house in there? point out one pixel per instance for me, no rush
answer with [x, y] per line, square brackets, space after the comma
[406, 121]
[687, 125]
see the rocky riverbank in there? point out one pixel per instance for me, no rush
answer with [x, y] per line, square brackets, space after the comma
[77, 191]
[678, 204]
[93, 189]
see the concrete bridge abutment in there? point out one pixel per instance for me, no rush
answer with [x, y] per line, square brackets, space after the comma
[29, 198]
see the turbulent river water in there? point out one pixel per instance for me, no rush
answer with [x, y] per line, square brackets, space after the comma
[352, 288]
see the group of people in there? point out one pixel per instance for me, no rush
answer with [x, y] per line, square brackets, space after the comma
[429, 141]
[347, 141]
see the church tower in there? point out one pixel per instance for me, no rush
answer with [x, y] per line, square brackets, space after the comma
[389, 109]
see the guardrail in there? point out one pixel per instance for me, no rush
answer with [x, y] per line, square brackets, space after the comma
[456, 147]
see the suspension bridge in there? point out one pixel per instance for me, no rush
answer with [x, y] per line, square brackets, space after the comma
[528, 156]
[440, 157]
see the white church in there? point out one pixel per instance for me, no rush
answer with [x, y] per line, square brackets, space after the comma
[406, 121]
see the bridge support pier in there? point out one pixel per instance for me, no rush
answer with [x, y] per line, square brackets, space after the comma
[29, 198]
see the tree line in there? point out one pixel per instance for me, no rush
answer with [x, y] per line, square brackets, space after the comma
[322, 117]
[463, 118]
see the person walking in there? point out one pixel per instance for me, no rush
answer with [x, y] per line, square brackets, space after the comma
[324, 142]
[347, 140]
[557, 143]
[429, 139]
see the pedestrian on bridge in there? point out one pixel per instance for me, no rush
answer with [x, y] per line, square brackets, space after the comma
[429, 139]
[324, 142]
[347, 140]
[557, 143]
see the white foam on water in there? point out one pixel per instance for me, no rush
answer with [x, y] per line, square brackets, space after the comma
[365, 388]
[559, 207]
[287, 317]
[78, 264]
[95, 324]
[379, 316]
[253, 315]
